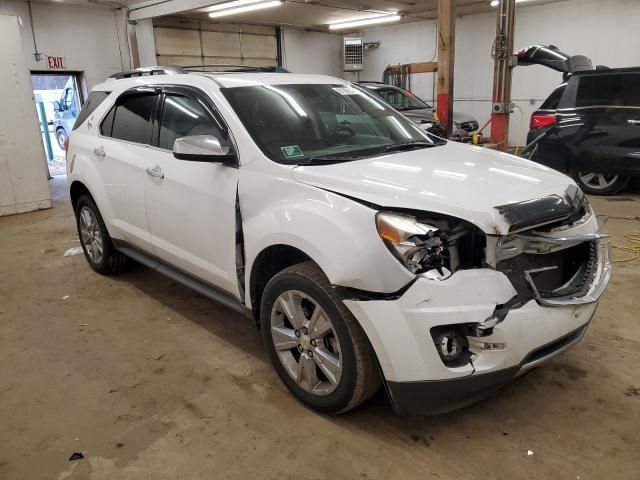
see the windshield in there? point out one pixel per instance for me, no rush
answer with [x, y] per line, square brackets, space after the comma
[302, 123]
[400, 99]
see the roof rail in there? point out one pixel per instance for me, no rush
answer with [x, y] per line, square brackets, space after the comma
[230, 68]
[157, 70]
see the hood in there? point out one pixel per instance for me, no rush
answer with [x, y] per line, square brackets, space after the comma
[419, 115]
[426, 115]
[462, 181]
[462, 117]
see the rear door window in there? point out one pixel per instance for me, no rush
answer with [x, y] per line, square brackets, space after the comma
[619, 90]
[93, 102]
[130, 118]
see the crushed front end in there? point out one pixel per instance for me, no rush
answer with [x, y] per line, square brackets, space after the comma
[457, 334]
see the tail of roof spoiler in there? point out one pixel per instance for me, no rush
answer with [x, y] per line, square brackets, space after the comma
[553, 58]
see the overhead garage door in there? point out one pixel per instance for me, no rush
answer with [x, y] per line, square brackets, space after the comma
[195, 42]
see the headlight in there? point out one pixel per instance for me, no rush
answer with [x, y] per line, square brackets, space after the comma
[418, 246]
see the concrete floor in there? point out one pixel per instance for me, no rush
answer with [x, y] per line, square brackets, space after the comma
[151, 381]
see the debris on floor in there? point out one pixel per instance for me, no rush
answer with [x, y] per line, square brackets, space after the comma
[529, 453]
[65, 297]
[73, 251]
[76, 456]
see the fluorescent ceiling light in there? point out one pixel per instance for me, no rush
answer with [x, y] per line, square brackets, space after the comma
[360, 22]
[241, 6]
[235, 3]
[495, 3]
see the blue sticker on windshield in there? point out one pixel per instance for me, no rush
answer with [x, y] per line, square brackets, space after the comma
[292, 151]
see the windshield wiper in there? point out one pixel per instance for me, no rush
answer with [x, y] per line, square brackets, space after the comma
[326, 160]
[398, 147]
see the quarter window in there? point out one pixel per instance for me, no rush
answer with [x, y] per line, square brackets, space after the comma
[185, 117]
[553, 101]
[95, 99]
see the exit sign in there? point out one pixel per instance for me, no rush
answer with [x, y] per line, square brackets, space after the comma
[55, 62]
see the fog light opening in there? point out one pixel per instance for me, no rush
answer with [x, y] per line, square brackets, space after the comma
[452, 346]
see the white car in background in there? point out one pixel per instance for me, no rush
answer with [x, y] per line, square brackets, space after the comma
[367, 250]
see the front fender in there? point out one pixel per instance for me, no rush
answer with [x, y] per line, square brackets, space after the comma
[339, 234]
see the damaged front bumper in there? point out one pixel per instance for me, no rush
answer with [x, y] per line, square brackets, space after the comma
[520, 338]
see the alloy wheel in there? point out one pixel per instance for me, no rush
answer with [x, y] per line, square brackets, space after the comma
[90, 235]
[598, 181]
[61, 138]
[306, 342]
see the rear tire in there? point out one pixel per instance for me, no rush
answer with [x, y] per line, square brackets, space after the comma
[61, 136]
[600, 183]
[95, 240]
[315, 344]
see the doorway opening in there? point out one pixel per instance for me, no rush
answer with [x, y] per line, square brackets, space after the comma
[58, 98]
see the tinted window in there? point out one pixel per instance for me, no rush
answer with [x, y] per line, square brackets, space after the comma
[132, 117]
[95, 99]
[552, 102]
[609, 90]
[107, 124]
[184, 117]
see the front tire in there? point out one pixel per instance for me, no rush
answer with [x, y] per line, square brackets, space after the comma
[95, 240]
[315, 344]
[601, 183]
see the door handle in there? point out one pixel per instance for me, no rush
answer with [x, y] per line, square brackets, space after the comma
[99, 151]
[634, 122]
[155, 172]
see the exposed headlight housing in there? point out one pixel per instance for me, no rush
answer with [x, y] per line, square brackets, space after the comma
[418, 246]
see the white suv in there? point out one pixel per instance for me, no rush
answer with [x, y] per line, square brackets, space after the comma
[366, 250]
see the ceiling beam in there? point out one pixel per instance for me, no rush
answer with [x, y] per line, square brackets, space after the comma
[158, 8]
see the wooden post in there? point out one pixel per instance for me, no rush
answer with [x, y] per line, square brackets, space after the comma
[503, 65]
[446, 57]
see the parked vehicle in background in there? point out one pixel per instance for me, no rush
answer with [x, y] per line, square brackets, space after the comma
[590, 127]
[416, 109]
[66, 110]
[366, 250]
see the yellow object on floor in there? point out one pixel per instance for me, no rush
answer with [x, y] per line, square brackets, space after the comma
[634, 250]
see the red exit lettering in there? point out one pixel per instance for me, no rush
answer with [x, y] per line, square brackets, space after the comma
[55, 62]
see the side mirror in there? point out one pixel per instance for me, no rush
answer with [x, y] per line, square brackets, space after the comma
[56, 106]
[202, 148]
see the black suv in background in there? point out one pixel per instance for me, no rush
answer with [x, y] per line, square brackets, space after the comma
[590, 127]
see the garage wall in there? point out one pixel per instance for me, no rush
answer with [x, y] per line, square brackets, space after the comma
[86, 36]
[23, 177]
[606, 32]
[312, 52]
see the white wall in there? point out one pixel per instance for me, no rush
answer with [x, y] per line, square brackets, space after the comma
[86, 36]
[23, 177]
[312, 52]
[607, 32]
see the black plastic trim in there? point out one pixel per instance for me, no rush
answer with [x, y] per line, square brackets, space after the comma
[204, 288]
[441, 396]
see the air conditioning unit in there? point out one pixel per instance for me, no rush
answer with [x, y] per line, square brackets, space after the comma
[352, 54]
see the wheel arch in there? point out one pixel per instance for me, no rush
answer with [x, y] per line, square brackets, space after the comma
[268, 263]
[76, 190]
